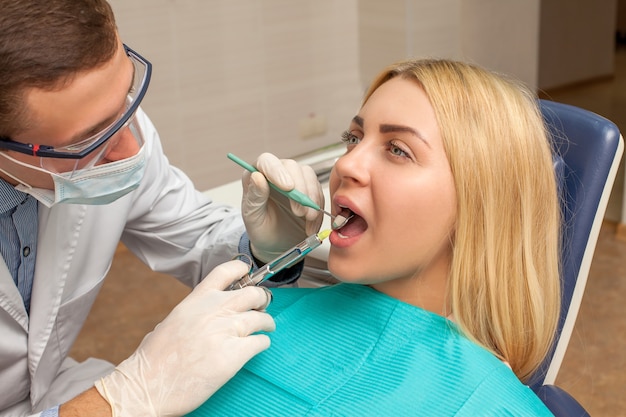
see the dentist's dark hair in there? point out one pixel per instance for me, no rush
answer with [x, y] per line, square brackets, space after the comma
[44, 44]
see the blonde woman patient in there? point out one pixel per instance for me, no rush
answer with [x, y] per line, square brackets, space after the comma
[449, 293]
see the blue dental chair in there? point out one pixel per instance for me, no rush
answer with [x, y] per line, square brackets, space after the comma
[589, 149]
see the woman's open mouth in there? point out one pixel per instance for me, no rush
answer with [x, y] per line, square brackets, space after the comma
[353, 225]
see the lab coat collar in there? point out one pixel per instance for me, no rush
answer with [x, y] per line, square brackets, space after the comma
[10, 298]
[59, 230]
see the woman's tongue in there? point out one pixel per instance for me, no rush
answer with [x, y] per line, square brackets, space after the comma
[355, 226]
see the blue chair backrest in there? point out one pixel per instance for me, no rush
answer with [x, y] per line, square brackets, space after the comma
[588, 149]
[560, 402]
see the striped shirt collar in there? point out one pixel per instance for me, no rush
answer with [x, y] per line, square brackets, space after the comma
[10, 197]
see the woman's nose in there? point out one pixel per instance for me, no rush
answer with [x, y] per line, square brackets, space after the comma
[354, 165]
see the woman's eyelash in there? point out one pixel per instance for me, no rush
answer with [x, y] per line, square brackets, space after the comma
[394, 148]
[348, 138]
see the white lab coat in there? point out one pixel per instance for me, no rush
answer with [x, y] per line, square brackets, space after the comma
[167, 223]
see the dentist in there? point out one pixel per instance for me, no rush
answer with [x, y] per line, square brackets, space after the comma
[81, 169]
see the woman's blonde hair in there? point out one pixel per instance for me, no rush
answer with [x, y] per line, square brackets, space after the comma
[504, 288]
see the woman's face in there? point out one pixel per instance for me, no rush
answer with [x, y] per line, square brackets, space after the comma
[396, 179]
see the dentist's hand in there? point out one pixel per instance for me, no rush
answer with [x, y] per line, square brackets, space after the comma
[199, 346]
[273, 222]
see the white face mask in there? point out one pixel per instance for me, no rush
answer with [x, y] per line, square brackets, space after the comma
[99, 185]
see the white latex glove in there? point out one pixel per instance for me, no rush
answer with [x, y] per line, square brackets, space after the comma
[273, 222]
[199, 346]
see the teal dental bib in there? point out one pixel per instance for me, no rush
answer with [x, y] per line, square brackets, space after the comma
[349, 350]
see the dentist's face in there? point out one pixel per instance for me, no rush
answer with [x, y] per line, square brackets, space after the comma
[90, 102]
[396, 179]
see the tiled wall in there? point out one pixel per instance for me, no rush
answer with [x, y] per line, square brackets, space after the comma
[244, 76]
[500, 35]
[577, 41]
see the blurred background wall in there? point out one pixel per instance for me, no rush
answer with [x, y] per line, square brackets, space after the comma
[286, 76]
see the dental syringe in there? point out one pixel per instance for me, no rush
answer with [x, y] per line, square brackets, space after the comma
[285, 260]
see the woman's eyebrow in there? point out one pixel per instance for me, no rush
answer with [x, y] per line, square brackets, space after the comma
[390, 128]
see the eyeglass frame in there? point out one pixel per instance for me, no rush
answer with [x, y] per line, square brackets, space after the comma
[49, 152]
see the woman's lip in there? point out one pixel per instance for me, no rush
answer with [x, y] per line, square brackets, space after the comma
[342, 242]
[341, 202]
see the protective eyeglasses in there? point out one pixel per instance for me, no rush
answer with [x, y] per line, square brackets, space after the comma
[88, 152]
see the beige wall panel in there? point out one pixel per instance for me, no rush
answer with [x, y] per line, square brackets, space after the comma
[240, 76]
[577, 41]
[502, 36]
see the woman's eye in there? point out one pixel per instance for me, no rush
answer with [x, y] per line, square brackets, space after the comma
[397, 150]
[349, 138]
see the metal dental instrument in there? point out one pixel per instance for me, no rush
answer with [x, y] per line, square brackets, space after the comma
[294, 194]
[285, 260]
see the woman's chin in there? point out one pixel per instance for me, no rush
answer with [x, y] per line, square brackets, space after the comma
[346, 273]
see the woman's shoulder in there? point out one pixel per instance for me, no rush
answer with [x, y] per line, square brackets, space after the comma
[513, 397]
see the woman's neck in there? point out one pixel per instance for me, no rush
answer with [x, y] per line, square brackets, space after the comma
[427, 290]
